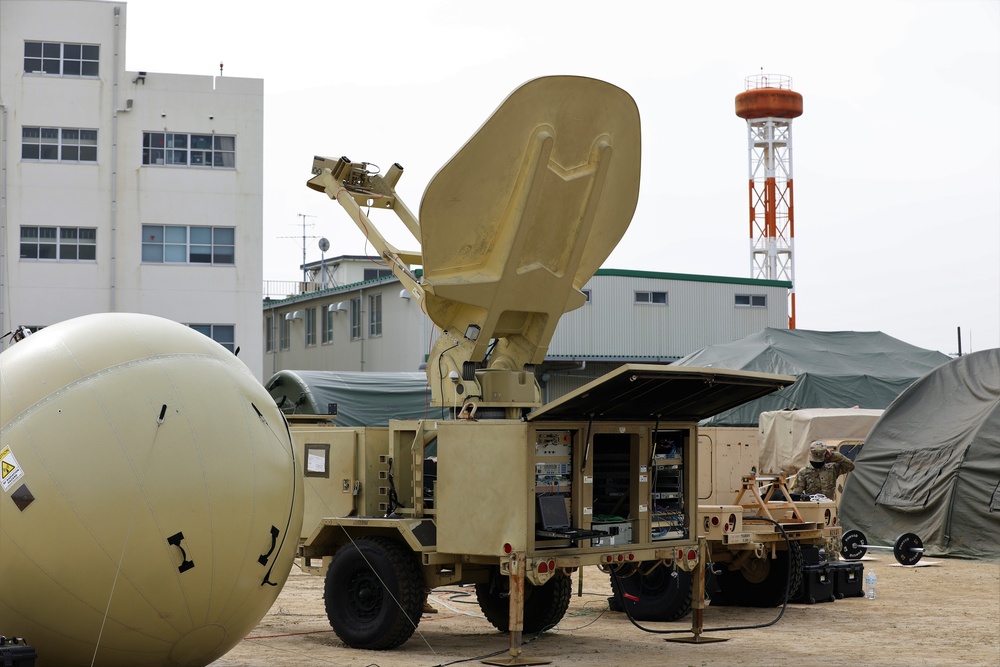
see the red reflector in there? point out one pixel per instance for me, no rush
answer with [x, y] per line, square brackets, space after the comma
[629, 596]
[507, 548]
[725, 528]
[552, 565]
[543, 567]
[835, 521]
[620, 558]
[680, 555]
[692, 555]
[631, 556]
[715, 521]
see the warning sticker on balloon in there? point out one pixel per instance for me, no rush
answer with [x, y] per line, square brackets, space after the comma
[10, 471]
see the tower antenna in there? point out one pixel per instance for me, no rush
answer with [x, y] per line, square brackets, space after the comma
[768, 104]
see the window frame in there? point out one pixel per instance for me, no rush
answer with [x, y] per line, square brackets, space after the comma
[269, 333]
[216, 331]
[194, 244]
[356, 318]
[63, 145]
[86, 60]
[188, 150]
[375, 315]
[310, 327]
[328, 313]
[284, 334]
[59, 240]
[750, 299]
[651, 298]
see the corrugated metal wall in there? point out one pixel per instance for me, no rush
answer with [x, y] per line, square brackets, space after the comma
[697, 313]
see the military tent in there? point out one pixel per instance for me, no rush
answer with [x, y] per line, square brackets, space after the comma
[931, 464]
[357, 399]
[833, 369]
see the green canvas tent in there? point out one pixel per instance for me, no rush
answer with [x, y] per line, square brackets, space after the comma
[833, 369]
[359, 399]
[931, 464]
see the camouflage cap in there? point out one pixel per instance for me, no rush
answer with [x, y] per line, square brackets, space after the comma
[817, 451]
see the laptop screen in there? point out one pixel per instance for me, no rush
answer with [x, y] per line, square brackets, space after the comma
[553, 513]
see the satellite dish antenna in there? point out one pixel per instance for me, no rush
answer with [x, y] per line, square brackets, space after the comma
[324, 245]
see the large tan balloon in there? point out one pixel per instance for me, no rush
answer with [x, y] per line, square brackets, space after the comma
[150, 506]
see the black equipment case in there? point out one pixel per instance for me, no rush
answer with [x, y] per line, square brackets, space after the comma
[15, 653]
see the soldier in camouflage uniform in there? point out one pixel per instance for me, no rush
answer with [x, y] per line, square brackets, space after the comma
[820, 476]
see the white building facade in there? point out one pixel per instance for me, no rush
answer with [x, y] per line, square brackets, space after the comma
[124, 191]
[365, 321]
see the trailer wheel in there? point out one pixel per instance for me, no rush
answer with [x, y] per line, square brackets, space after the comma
[762, 582]
[544, 606]
[657, 596]
[374, 594]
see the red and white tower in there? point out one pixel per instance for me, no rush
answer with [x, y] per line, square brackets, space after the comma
[768, 105]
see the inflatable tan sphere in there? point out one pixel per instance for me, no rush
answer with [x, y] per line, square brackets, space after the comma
[149, 502]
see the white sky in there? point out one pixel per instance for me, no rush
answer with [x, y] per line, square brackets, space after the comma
[896, 155]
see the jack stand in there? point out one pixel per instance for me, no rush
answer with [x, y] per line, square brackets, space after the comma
[698, 607]
[517, 575]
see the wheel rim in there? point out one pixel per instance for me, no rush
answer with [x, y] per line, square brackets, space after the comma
[757, 570]
[364, 595]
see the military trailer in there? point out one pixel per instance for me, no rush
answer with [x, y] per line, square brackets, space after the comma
[503, 492]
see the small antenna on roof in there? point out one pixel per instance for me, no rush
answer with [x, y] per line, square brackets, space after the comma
[220, 68]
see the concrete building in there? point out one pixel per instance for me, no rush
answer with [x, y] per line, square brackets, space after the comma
[365, 321]
[124, 190]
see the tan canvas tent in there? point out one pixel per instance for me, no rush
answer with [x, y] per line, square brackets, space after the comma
[931, 464]
[785, 435]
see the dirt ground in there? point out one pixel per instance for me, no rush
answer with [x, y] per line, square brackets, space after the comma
[943, 614]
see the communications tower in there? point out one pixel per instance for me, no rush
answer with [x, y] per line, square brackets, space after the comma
[768, 105]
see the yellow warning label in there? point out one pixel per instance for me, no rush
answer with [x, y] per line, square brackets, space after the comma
[10, 471]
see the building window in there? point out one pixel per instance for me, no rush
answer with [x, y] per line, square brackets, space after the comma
[188, 150]
[356, 318]
[328, 323]
[375, 315]
[375, 274]
[310, 327]
[269, 334]
[178, 244]
[751, 300]
[59, 243]
[223, 334]
[651, 297]
[285, 339]
[58, 144]
[61, 59]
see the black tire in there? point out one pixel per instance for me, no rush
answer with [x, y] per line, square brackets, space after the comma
[661, 596]
[544, 606]
[374, 594]
[762, 583]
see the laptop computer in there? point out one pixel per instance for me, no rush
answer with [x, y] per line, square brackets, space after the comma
[554, 518]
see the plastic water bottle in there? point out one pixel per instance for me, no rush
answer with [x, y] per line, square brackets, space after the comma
[870, 580]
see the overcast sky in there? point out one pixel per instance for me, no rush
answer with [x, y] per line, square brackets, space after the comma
[896, 155]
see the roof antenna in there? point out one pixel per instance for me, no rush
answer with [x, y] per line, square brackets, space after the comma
[220, 68]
